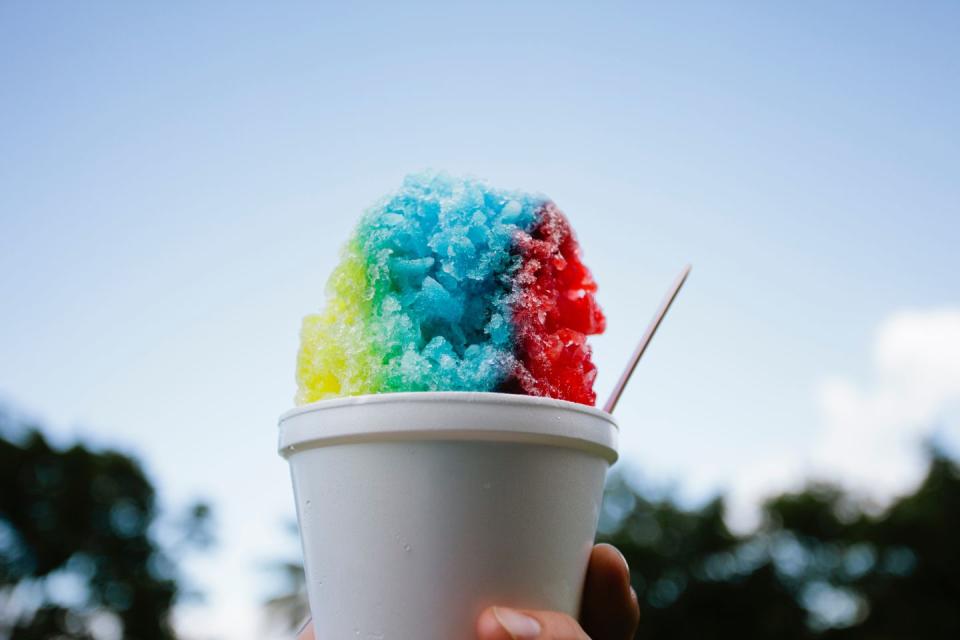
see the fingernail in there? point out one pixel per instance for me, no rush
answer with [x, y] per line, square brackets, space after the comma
[518, 625]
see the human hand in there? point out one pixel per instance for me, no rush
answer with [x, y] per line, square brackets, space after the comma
[610, 610]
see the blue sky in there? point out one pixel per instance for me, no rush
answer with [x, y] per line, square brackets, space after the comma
[175, 182]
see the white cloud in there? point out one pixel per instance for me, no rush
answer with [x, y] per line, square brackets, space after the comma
[872, 431]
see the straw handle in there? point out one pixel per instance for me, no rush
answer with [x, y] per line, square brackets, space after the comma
[645, 340]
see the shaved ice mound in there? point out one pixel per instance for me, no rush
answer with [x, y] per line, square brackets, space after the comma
[451, 285]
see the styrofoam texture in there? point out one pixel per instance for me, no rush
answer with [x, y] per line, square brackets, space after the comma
[418, 510]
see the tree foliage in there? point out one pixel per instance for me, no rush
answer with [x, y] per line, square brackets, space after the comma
[820, 566]
[78, 551]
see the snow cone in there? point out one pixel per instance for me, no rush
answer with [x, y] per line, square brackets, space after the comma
[446, 455]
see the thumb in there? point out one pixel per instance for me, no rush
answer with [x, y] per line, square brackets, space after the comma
[501, 623]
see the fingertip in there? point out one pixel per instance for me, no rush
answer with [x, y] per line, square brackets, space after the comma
[609, 552]
[306, 631]
[489, 628]
[610, 607]
[607, 560]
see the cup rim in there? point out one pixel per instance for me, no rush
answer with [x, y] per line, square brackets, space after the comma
[445, 397]
[448, 415]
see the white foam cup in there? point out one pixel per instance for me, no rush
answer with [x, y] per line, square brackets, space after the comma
[419, 510]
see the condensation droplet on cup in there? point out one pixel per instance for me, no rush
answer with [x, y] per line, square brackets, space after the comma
[487, 485]
[407, 547]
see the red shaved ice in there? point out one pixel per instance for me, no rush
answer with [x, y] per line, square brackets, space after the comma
[553, 311]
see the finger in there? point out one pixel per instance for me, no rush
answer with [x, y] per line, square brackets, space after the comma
[501, 623]
[306, 632]
[610, 610]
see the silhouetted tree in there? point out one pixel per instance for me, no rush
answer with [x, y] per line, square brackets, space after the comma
[694, 578]
[820, 566]
[900, 569]
[78, 558]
